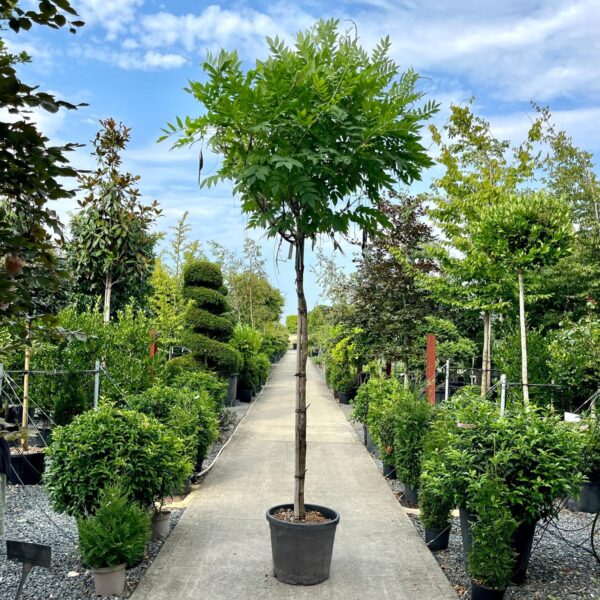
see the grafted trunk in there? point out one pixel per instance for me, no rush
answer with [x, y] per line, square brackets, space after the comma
[108, 283]
[300, 428]
[486, 374]
[523, 328]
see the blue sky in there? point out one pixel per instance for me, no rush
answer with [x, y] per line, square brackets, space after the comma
[133, 58]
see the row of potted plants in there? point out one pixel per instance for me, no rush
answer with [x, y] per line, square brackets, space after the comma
[504, 472]
[113, 468]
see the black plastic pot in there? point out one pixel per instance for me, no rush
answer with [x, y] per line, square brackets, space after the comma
[589, 497]
[344, 397]
[437, 539]
[389, 471]
[480, 592]
[26, 469]
[522, 543]
[231, 389]
[302, 551]
[411, 495]
[245, 395]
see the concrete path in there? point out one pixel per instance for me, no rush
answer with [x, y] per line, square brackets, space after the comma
[220, 550]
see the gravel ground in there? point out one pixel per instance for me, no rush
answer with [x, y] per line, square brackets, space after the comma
[557, 570]
[29, 518]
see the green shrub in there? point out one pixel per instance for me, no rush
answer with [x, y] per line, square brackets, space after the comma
[99, 446]
[180, 365]
[412, 419]
[247, 342]
[116, 534]
[492, 558]
[202, 273]
[204, 381]
[275, 340]
[214, 326]
[534, 452]
[435, 503]
[211, 300]
[212, 354]
[381, 418]
[374, 389]
[190, 414]
[590, 457]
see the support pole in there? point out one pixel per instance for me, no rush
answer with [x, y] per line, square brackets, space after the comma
[96, 384]
[502, 394]
[447, 386]
[430, 367]
[4, 408]
[25, 418]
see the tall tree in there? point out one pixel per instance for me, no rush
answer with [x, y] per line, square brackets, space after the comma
[310, 136]
[387, 295]
[32, 171]
[521, 233]
[112, 245]
[479, 169]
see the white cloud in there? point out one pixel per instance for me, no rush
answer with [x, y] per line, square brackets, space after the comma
[112, 15]
[131, 60]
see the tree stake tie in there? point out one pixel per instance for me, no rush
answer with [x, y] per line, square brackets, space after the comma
[301, 476]
[302, 410]
[31, 555]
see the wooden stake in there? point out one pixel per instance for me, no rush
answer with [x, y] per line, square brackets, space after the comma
[25, 418]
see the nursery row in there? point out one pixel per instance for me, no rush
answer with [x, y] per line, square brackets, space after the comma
[504, 472]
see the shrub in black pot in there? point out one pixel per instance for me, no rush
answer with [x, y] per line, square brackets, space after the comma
[587, 499]
[533, 452]
[412, 420]
[435, 504]
[381, 418]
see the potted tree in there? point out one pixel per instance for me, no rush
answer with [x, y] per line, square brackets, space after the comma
[115, 537]
[310, 137]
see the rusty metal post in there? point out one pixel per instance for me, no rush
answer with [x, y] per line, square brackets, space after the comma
[430, 367]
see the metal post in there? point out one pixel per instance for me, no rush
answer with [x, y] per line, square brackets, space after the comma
[430, 368]
[502, 394]
[25, 419]
[1, 382]
[96, 384]
[447, 387]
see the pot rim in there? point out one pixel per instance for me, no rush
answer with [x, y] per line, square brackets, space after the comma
[104, 570]
[324, 510]
[161, 515]
[485, 587]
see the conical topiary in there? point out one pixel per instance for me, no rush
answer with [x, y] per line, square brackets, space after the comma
[208, 329]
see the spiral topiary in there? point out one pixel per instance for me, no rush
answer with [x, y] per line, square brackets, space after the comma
[208, 331]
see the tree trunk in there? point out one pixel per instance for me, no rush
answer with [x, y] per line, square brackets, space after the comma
[300, 462]
[485, 359]
[524, 370]
[107, 293]
[406, 378]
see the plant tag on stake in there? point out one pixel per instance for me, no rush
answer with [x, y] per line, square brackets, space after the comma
[30, 555]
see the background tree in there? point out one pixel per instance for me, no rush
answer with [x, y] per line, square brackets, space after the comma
[521, 233]
[479, 169]
[111, 243]
[387, 297]
[310, 136]
[32, 172]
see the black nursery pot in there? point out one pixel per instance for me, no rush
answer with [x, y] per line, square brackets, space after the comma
[411, 494]
[302, 551]
[245, 395]
[589, 497]
[26, 469]
[344, 397]
[480, 592]
[389, 471]
[437, 539]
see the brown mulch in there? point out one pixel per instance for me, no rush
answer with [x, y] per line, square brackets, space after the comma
[313, 517]
[17, 450]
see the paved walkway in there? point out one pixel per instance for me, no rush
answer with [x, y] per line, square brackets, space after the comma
[221, 549]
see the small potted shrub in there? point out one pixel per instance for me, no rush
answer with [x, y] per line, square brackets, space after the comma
[435, 505]
[412, 419]
[343, 381]
[381, 421]
[114, 538]
[491, 560]
[588, 498]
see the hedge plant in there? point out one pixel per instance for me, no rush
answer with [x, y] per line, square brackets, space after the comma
[99, 446]
[381, 418]
[209, 331]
